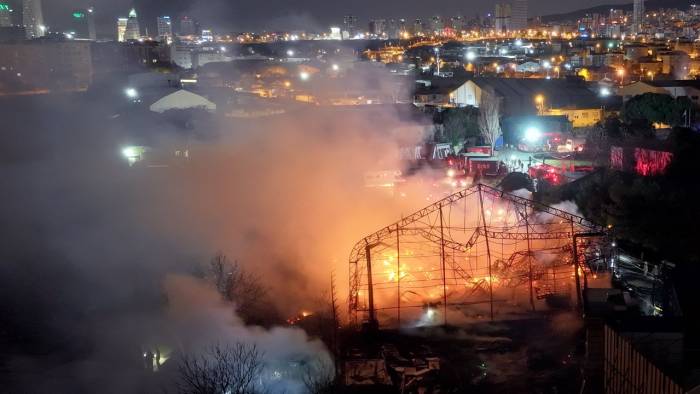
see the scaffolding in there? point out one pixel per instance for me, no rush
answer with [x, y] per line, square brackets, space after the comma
[470, 248]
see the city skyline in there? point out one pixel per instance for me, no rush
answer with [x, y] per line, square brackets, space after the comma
[308, 14]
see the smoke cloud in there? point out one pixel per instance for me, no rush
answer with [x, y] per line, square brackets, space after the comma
[197, 312]
[90, 241]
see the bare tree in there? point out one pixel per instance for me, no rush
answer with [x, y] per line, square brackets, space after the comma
[489, 117]
[335, 316]
[230, 369]
[242, 288]
[319, 377]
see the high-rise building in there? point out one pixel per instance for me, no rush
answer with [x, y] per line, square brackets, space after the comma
[502, 16]
[392, 29]
[121, 29]
[165, 28]
[616, 14]
[457, 23]
[518, 20]
[133, 29]
[403, 29]
[83, 23]
[377, 27]
[187, 26]
[33, 18]
[207, 35]
[436, 24]
[350, 25]
[56, 65]
[335, 33]
[418, 27]
[637, 15]
[5, 15]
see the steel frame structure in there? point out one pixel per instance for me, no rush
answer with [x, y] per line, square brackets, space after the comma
[444, 256]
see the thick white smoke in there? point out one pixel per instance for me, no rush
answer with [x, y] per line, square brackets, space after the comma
[201, 319]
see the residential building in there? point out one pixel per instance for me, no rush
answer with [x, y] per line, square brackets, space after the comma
[503, 18]
[418, 27]
[43, 66]
[530, 96]
[377, 27]
[675, 89]
[637, 16]
[187, 26]
[437, 24]
[519, 15]
[579, 117]
[350, 25]
[441, 93]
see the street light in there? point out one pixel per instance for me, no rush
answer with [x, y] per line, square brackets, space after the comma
[532, 134]
[304, 76]
[547, 65]
[131, 93]
[335, 67]
[621, 74]
[539, 100]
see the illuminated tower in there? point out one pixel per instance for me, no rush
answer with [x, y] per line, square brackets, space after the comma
[133, 30]
[121, 29]
[33, 18]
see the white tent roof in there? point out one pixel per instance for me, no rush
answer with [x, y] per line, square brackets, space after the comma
[182, 99]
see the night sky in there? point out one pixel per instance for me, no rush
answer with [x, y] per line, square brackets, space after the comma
[239, 15]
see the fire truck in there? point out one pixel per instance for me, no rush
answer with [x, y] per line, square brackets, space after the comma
[551, 174]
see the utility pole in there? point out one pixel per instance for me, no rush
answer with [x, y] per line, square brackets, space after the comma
[529, 258]
[370, 291]
[579, 301]
[398, 276]
[488, 248]
[336, 323]
[442, 258]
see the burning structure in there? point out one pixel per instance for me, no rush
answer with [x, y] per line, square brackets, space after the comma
[480, 247]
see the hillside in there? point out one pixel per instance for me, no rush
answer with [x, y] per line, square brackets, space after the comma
[605, 9]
